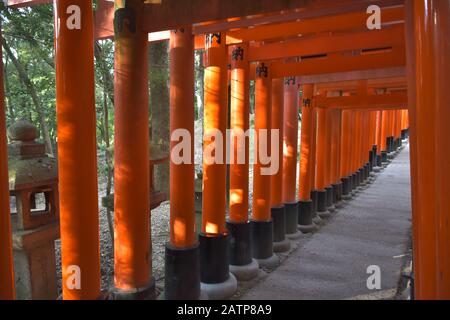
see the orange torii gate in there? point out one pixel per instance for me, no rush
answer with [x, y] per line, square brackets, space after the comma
[382, 58]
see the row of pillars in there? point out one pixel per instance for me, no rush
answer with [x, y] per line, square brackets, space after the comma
[338, 149]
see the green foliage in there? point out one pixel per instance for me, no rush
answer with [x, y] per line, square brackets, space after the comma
[29, 32]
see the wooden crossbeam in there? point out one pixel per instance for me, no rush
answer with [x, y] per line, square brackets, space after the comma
[242, 19]
[392, 101]
[337, 63]
[381, 73]
[348, 86]
[348, 21]
[175, 13]
[387, 37]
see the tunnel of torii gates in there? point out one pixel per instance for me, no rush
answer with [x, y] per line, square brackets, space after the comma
[362, 92]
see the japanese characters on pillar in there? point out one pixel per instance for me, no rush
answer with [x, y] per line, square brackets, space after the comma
[132, 245]
[77, 156]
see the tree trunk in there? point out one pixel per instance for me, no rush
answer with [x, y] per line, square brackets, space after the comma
[108, 160]
[9, 106]
[159, 109]
[30, 87]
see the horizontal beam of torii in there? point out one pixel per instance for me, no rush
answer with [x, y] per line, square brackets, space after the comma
[337, 63]
[391, 101]
[383, 84]
[387, 37]
[286, 25]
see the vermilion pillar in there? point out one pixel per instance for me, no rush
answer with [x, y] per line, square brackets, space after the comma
[372, 140]
[365, 147]
[346, 154]
[329, 165]
[278, 211]
[352, 166]
[307, 161]
[322, 163]
[290, 152]
[336, 156]
[384, 135]
[276, 192]
[182, 269]
[358, 147]
[313, 162]
[241, 263]
[262, 225]
[77, 157]
[7, 290]
[378, 135]
[239, 124]
[378, 131]
[428, 74]
[388, 131]
[214, 253]
[132, 244]
[398, 128]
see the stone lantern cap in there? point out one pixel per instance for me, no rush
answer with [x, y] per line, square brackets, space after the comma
[29, 165]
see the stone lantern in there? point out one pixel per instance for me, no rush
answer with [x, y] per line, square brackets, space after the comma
[33, 184]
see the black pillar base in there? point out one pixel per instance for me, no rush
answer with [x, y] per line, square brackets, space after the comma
[322, 200]
[182, 273]
[330, 196]
[379, 161]
[362, 174]
[337, 192]
[374, 155]
[214, 258]
[261, 239]
[291, 211]
[354, 181]
[384, 156]
[305, 213]
[240, 251]
[279, 223]
[370, 160]
[146, 293]
[346, 186]
[315, 201]
[358, 178]
[390, 144]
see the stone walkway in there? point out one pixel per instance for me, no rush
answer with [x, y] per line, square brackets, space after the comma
[373, 229]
